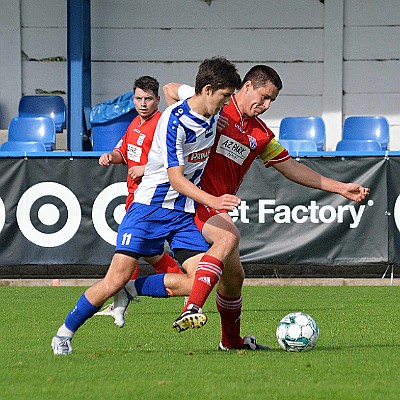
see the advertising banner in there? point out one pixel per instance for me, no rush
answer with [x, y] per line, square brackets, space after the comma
[393, 210]
[65, 210]
[60, 210]
[284, 223]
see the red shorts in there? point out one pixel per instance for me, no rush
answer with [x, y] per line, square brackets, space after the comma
[203, 214]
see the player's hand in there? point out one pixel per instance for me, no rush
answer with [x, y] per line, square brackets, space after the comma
[224, 202]
[105, 159]
[355, 192]
[222, 123]
[136, 172]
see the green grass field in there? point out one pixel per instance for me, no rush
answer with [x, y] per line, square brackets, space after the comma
[357, 356]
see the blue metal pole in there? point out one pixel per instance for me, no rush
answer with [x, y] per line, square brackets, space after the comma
[87, 66]
[78, 16]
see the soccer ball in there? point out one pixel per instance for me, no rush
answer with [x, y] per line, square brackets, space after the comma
[297, 332]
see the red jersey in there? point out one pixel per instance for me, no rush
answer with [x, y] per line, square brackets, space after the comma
[234, 150]
[135, 145]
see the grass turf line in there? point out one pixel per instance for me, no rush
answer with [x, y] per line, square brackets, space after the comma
[357, 356]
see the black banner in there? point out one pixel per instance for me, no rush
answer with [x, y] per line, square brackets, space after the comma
[393, 210]
[60, 210]
[291, 224]
[66, 210]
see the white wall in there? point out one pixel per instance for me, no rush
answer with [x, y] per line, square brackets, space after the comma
[10, 60]
[336, 59]
[372, 61]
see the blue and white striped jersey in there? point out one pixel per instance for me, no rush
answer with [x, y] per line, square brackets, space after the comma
[182, 137]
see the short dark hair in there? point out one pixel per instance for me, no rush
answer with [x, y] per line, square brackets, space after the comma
[147, 83]
[259, 75]
[217, 72]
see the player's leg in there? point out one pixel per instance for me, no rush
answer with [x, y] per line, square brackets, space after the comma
[229, 306]
[90, 302]
[174, 284]
[224, 237]
[229, 301]
[159, 285]
[161, 224]
[163, 264]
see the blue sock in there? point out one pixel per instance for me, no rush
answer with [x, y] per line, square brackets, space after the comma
[82, 311]
[152, 285]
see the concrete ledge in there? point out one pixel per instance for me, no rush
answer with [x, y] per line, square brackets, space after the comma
[247, 282]
[322, 282]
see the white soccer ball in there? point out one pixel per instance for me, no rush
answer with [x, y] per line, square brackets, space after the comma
[297, 332]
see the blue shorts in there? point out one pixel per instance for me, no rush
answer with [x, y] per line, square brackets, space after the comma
[144, 230]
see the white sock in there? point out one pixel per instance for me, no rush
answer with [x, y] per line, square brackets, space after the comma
[63, 331]
[131, 288]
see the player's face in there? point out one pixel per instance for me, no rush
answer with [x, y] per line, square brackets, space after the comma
[259, 100]
[146, 103]
[216, 100]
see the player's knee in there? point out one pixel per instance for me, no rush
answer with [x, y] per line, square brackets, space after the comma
[231, 239]
[113, 284]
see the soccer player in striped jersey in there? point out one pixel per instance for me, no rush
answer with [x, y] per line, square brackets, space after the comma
[163, 207]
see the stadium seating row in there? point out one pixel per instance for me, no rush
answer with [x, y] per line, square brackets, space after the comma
[360, 134]
[40, 117]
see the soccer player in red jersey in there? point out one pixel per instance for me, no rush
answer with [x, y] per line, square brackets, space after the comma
[244, 137]
[133, 150]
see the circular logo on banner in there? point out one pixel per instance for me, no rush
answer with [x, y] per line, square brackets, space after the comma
[2, 214]
[397, 212]
[99, 211]
[48, 214]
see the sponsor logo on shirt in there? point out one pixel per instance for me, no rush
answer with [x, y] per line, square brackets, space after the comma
[134, 152]
[237, 126]
[141, 138]
[232, 149]
[209, 132]
[199, 156]
[252, 141]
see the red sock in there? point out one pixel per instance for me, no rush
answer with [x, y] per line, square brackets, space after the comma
[230, 310]
[135, 274]
[208, 274]
[167, 264]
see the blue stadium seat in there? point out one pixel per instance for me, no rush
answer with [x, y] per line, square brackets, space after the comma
[105, 136]
[367, 128]
[303, 128]
[293, 146]
[358, 145]
[44, 106]
[23, 146]
[33, 129]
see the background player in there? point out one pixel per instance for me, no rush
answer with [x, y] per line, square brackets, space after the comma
[133, 150]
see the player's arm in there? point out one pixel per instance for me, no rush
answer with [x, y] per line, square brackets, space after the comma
[305, 176]
[114, 157]
[187, 188]
[170, 91]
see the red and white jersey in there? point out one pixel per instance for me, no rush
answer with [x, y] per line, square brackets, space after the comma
[235, 148]
[135, 145]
